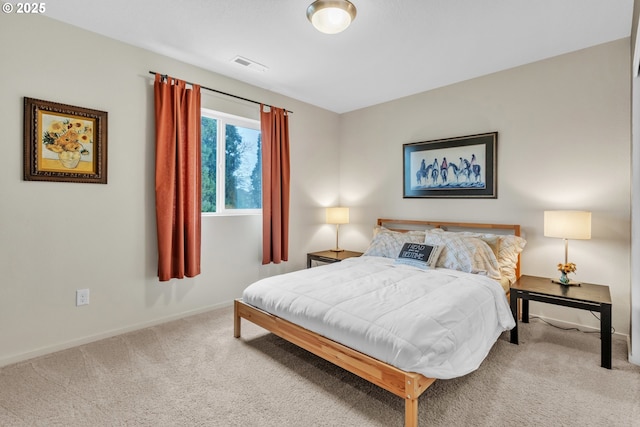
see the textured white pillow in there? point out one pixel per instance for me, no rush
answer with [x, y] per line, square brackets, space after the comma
[506, 247]
[465, 253]
[387, 243]
[510, 248]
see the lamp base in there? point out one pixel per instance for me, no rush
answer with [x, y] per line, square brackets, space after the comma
[337, 250]
[570, 283]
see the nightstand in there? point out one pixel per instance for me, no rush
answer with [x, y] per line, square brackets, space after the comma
[586, 297]
[330, 256]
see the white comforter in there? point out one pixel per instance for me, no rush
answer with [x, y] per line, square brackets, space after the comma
[440, 323]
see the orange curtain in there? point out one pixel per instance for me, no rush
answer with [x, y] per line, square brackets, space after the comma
[178, 177]
[274, 126]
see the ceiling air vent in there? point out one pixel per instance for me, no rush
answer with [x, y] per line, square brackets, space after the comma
[253, 65]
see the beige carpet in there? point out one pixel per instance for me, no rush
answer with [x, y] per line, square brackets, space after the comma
[192, 372]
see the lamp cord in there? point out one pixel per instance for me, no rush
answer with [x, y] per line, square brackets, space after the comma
[613, 330]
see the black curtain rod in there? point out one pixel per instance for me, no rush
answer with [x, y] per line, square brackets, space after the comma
[164, 76]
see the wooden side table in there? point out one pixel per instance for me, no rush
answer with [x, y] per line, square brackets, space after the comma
[586, 297]
[330, 256]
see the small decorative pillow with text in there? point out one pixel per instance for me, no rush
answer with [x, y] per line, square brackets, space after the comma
[419, 255]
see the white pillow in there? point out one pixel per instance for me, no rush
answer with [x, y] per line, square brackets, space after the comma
[506, 247]
[387, 243]
[465, 253]
[510, 248]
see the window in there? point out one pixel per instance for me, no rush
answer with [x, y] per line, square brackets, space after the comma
[231, 183]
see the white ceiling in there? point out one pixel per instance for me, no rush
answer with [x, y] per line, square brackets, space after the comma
[394, 48]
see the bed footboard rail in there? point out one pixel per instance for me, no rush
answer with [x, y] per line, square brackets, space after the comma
[407, 385]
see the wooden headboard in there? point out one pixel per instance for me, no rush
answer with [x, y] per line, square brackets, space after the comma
[411, 224]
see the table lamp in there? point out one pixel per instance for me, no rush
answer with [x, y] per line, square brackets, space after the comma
[337, 216]
[567, 225]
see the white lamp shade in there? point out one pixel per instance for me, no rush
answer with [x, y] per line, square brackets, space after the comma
[567, 224]
[338, 215]
[331, 16]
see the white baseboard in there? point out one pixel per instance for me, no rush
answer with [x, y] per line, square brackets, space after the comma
[108, 334]
[633, 357]
[564, 324]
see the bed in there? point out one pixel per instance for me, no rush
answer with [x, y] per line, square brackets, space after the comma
[319, 309]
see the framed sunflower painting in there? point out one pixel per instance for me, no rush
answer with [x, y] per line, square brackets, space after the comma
[64, 143]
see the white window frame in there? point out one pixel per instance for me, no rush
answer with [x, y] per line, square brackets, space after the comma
[223, 120]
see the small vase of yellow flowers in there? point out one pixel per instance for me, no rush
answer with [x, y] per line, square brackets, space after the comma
[564, 270]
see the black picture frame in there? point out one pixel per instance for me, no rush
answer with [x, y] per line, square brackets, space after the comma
[460, 167]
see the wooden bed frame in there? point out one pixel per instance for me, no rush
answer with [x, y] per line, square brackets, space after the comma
[407, 385]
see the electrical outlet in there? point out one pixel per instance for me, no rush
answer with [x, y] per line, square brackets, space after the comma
[82, 297]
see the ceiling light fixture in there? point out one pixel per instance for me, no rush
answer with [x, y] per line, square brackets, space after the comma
[331, 16]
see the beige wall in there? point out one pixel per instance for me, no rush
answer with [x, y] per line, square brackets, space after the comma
[563, 143]
[59, 237]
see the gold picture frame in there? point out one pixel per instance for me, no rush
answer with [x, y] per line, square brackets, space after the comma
[64, 143]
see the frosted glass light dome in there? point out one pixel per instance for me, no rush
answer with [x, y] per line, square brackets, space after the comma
[331, 16]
